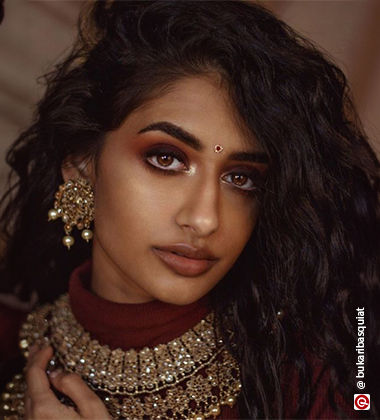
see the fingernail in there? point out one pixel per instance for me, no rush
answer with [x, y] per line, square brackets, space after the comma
[55, 373]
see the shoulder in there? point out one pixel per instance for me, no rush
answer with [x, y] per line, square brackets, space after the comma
[321, 407]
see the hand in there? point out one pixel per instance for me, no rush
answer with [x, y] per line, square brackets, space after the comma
[41, 402]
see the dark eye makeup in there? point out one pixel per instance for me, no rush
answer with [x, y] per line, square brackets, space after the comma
[151, 156]
[167, 151]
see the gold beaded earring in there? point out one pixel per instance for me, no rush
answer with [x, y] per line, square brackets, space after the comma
[74, 203]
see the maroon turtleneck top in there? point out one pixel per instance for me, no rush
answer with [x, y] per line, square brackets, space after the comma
[133, 325]
[130, 325]
[137, 325]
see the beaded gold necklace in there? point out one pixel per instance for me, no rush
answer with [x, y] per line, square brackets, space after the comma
[190, 377]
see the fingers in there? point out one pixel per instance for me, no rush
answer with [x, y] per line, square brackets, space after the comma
[36, 379]
[40, 401]
[88, 403]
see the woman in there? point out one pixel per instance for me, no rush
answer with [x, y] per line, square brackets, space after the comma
[215, 160]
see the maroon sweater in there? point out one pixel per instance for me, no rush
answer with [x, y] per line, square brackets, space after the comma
[138, 325]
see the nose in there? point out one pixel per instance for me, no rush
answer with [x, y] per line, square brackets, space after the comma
[200, 209]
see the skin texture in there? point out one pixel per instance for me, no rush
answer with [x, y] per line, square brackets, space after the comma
[136, 208]
[201, 204]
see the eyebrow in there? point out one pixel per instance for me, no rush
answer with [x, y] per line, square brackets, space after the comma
[192, 141]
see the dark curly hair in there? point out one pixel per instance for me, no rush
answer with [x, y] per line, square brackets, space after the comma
[314, 250]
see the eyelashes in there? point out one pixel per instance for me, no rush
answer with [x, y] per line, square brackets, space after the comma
[163, 159]
[169, 161]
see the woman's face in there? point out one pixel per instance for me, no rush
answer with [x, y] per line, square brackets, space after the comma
[161, 187]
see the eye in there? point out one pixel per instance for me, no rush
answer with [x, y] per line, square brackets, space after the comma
[242, 180]
[166, 160]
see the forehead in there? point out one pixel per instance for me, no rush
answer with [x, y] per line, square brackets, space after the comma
[201, 106]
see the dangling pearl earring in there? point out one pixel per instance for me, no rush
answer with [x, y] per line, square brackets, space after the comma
[75, 205]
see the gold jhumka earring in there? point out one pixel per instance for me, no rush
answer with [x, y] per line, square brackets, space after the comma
[74, 203]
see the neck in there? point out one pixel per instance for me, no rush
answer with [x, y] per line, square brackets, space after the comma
[130, 325]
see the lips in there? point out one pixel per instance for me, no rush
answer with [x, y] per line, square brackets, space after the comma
[186, 260]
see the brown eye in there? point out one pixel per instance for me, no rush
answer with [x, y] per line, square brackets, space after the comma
[165, 160]
[239, 179]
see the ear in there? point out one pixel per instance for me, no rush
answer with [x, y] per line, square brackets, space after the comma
[74, 167]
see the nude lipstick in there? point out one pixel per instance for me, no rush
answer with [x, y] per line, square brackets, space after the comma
[186, 260]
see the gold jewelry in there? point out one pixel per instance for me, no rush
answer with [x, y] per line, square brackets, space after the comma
[74, 203]
[190, 377]
[218, 148]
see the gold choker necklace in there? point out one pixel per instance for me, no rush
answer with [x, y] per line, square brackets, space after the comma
[190, 377]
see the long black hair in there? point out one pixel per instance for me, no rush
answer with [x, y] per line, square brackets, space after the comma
[314, 251]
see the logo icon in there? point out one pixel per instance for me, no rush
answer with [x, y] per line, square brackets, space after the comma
[362, 402]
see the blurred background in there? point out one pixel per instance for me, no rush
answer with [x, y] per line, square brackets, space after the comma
[35, 34]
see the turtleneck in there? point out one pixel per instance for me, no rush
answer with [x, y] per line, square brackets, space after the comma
[138, 325]
[133, 325]
[130, 325]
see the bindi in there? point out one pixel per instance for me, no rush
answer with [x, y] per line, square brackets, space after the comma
[218, 148]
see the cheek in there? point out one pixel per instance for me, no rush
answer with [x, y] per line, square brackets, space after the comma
[130, 202]
[239, 223]
[241, 216]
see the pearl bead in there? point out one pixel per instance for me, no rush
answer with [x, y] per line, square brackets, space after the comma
[52, 215]
[10, 386]
[214, 410]
[68, 241]
[87, 234]
[199, 417]
[231, 401]
[5, 396]
[24, 344]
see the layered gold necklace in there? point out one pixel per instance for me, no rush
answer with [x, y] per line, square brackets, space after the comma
[190, 377]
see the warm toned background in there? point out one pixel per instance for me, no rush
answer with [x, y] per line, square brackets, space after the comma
[35, 34]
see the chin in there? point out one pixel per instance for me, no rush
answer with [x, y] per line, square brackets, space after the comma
[181, 297]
